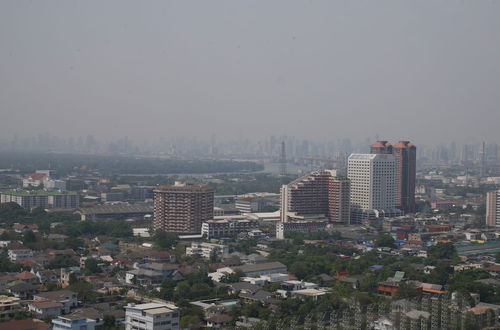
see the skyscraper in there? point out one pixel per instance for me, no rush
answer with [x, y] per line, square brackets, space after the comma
[319, 193]
[372, 181]
[405, 155]
[182, 208]
[493, 208]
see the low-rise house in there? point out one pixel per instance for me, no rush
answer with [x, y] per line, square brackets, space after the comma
[220, 273]
[266, 268]
[68, 322]
[263, 279]
[88, 313]
[5, 279]
[20, 228]
[21, 289]
[287, 287]
[47, 276]
[153, 274]
[66, 298]
[31, 324]
[19, 254]
[219, 321]
[262, 296]
[314, 294]
[206, 250]
[9, 307]
[243, 287]
[44, 308]
[67, 274]
[27, 277]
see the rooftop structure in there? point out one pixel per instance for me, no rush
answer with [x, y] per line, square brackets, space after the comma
[152, 316]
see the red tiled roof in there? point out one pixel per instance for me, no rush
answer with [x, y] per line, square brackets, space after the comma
[494, 268]
[380, 144]
[25, 276]
[25, 325]
[45, 304]
[35, 176]
[402, 144]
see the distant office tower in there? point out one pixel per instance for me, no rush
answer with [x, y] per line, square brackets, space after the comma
[317, 194]
[482, 159]
[182, 208]
[283, 159]
[373, 184]
[493, 208]
[405, 154]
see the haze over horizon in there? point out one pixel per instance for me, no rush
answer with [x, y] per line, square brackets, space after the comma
[423, 71]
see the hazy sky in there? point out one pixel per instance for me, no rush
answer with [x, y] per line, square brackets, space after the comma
[422, 70]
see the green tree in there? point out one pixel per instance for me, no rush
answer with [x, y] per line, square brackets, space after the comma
[442, 251]
[385, 240]
[109, 321]
[165, 240]
[407, 291]
[61, 261]
[92, 266]
[29, 236]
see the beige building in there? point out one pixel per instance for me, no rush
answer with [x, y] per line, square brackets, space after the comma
[9, 307]
[182, 208]
[317, 193]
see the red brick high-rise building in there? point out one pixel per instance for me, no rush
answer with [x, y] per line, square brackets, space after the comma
[182, 208]
[405, 154]
[317, 193]
[381, 147]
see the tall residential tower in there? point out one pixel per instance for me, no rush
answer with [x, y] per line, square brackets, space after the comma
[405, 155]
[373, 185]
[493, 208]
[182, 208]
[319, 193]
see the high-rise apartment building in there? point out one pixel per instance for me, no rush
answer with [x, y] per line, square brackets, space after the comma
[493, 208]
[405, 155]
[182, 208]
[373, 183]
[42, 198]
[317, 193]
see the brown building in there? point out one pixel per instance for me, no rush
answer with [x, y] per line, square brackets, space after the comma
[405, 154]
[182, 208]
[493, 208]
[317, 193]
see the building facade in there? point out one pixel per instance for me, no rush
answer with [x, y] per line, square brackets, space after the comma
[373, 185]
[493, 208]
[405, 154]
[182, 208]
[317, 193]
[227, 227]
[41, 198]
[9, 307]
[69, 322]
[151, 316]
